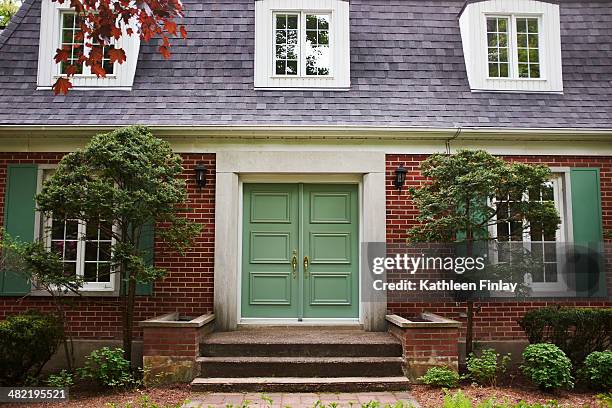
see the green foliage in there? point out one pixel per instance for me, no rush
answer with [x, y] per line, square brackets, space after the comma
[63, 379]
[8, 8]
[440, 377]
[146, 402]
[576, 331]
[108, 368]
[547, 366]
[455, 205]
[605, 400]
[27, 342]
[597, 370]
[459, 400]
[130, 179]
[485, 368]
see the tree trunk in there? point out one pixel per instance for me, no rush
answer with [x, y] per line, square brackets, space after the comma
[469, 329]
[128, 313]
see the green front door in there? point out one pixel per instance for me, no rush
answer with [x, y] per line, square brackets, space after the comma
[300, 251]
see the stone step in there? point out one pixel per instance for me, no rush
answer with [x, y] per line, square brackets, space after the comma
[300, 366]
[300, 342]
[300, 384]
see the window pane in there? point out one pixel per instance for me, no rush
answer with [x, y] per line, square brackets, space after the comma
[104, 273]
[497, 38]
[286, 42]
[317, 45]
[90, 272]
[528, 52]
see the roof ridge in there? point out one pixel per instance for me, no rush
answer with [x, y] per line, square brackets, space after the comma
[15, 21]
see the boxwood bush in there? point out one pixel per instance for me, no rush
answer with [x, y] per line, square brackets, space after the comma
[576, 331]
[547, 366]
[27, 342]
[597, 370]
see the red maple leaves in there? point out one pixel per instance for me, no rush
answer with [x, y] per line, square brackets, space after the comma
[102, 23]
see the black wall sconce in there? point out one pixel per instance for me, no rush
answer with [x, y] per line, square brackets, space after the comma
[400, 177]
[200, 175]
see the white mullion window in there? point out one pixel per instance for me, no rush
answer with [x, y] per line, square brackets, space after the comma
[85, 249]
[514, 46]
[69, 29]
[542, 246]
[302, 44]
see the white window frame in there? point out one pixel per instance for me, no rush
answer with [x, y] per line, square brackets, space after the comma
[513, 63]
[473, 26]
[50, 39]
[86, 70]
[265, 76]
[562, 197]
[43, 232]
[302, 43]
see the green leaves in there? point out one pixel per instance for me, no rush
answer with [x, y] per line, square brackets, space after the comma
[129, 178]
[472, 190]
[547, 366]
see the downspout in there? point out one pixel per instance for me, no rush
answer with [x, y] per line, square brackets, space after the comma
[448, 141]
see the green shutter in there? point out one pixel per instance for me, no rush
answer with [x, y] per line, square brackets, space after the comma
[588, 231]
[586, 206]
[19, 216]
[146, 244]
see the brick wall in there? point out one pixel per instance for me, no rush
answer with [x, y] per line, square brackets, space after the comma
[188, 287]
[494, 320]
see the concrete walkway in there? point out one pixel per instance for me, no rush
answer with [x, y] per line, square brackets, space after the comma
[305, 400]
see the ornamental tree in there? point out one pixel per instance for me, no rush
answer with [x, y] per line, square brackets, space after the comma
[8, 8]
[103, 22]
[123, 181]
[470, 194]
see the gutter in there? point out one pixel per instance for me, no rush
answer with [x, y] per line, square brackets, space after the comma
[331, 132]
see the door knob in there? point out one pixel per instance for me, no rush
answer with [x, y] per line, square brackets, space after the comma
[306, 263]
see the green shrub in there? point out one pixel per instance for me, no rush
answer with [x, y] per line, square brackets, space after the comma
[597, 370]
[27, 342]
[547, 366]
[576, 331]
[108, 368]
[485, 368]
[440, 377]
[63, 379]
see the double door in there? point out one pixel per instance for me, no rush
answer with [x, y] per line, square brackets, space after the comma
[300, 246]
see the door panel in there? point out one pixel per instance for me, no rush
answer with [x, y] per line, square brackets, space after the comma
[317, 221]
[331, 239]
[270, 235]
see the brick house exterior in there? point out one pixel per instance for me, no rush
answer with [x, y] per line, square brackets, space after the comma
[409, 97]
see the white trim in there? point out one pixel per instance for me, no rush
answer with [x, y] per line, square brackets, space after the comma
[49, 41]
[305, 164]
[339, 43]
[473, 25]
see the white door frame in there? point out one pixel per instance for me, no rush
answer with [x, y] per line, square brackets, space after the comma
[234, 166]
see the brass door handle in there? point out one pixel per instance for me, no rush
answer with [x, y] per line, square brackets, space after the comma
[306, 263]
[294, 264]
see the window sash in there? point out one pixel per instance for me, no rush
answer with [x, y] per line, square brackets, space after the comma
[302, 43]
[559, 201]
[513, 48]
[85, 70]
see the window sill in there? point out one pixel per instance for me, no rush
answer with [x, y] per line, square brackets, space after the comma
[301, 88]
[82, 292]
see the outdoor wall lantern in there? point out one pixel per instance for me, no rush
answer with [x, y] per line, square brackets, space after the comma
[400, 177]
[200, 175]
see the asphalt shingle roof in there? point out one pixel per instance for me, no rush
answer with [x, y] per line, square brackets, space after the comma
[407, 69]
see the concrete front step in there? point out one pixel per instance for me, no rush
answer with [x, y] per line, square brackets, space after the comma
[300, 342]
[300, 384]
[300, 366]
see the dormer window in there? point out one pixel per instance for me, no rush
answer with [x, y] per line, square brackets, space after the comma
[514, 45]
[74, 41]
[59, 28]
[301, 48]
